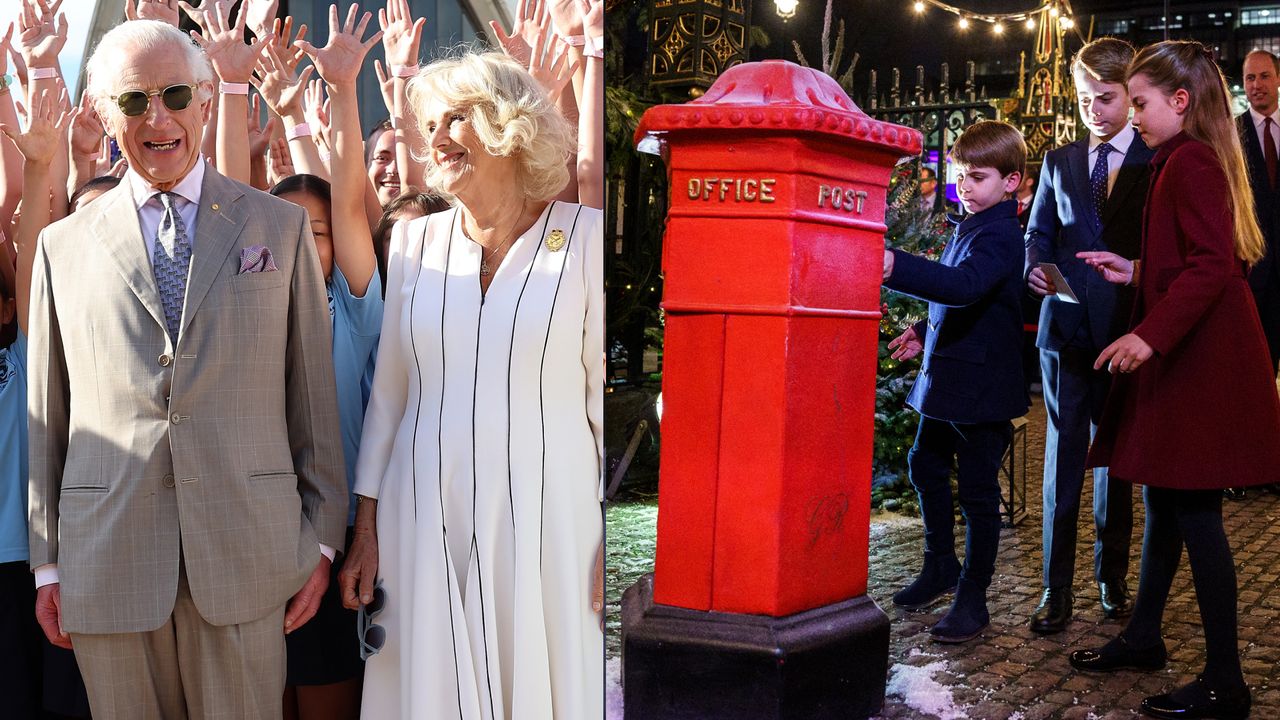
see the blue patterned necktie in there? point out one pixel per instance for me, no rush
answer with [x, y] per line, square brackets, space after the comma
[1098, 179]
[170, 261]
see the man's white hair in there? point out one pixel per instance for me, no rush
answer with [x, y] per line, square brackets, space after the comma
[157, 41]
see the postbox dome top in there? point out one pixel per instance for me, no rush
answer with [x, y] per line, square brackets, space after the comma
[777, 96]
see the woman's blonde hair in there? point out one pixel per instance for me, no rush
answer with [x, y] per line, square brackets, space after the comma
[1188, 65]
[509, 112]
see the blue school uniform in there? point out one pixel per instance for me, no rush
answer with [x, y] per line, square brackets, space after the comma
[13, 451]
[357, 322]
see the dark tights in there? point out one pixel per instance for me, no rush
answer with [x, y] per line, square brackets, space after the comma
[1193, 518]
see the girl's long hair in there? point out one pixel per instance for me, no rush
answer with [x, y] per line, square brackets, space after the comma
[1186, 64]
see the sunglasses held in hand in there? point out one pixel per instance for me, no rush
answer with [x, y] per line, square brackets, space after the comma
[135, 102]
[372, 637]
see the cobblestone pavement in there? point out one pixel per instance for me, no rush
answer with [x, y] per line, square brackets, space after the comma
[1010, 672]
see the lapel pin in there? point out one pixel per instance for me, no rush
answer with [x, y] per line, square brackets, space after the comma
[555, 240]
[215, 207]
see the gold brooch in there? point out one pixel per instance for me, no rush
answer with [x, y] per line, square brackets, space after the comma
[555, 240]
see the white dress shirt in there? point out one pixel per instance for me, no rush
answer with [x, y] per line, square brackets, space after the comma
[151, 211]
[1120, 147]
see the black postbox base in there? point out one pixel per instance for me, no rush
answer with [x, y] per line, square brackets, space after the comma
[820, 664]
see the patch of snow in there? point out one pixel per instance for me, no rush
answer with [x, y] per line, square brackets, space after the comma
[922, 693]
[613, 689]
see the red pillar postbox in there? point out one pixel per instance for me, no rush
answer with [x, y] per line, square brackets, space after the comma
[773, 262]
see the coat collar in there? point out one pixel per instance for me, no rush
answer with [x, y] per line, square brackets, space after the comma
[1005, 209]
[1164, 151]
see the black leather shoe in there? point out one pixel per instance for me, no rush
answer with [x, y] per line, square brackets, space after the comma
[1233, 493]
[1117, 655]
[1198, 700]
[1115, 599]
[1054, 611]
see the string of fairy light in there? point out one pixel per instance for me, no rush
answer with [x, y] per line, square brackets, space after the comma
[1052, 11]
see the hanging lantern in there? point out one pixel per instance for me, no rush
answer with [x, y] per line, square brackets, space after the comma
[692, 41]
[786, 8]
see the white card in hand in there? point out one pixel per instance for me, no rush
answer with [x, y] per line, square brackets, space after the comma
[1055, 276]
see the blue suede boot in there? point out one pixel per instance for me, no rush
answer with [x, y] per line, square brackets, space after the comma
[937, 578]
[967, 617]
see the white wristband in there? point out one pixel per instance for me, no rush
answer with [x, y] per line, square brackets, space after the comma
[404, 71]
[574, 40]
[227, 88]
[297, 131]
[594, 48]
[43, 73]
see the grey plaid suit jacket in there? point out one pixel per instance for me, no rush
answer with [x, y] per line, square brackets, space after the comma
[225, 448]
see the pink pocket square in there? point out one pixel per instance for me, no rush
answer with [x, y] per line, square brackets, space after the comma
[256, 258]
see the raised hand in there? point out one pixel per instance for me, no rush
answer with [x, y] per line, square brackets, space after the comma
[401, 34]
[550, 68]
[281, 31]
[6, 47]
[198, 15]
[19, 63]
[259, 14]
[281, 161]
[387, 85]
[339, 61]
[567, 16]
[259, 134]
[42, 140]
[593, 20]
[162, 10]
[232, 60]
[86, 130]
[42, 32]
[316, 109]
[275, 80]
[524, 32]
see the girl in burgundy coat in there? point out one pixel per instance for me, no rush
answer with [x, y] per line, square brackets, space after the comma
[1194, 409]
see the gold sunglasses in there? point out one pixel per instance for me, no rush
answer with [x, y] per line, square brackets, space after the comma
[135, 102]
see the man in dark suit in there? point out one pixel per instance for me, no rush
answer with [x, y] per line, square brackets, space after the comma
[1261, 86]
[1259, 138]
[1090, 197]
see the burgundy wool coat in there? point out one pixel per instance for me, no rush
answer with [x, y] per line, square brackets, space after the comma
[1202, 413]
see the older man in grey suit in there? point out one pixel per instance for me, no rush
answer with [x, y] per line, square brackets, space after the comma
[186, 468]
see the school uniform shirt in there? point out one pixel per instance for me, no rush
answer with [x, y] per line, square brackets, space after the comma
[357, 322]
[13, 451]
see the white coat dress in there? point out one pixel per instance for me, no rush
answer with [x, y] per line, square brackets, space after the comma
[483, 444]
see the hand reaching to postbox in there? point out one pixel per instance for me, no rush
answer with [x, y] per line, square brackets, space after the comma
[907, 345]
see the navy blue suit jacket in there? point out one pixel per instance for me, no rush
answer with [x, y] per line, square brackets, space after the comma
[972, 368]
[1063, 223]
[1266, 201]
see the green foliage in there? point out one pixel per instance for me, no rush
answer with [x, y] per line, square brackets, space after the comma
[913, 228]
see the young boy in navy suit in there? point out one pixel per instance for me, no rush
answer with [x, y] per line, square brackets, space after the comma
[1090, 197]
[971, 382]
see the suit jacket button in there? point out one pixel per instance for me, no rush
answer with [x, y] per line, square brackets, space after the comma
[175, 418]
[168, 481]
[164, 360]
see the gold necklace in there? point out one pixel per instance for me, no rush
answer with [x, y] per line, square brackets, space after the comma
[485, 270]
